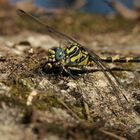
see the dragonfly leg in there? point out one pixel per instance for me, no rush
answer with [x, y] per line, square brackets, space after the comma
[68, 71]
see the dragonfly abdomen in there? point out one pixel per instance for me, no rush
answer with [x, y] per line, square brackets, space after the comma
[121, 59]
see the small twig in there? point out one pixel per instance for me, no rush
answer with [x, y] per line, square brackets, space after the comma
[123, 10]
[79, 4]
[69, 109]
[86, 107]
[112, 135]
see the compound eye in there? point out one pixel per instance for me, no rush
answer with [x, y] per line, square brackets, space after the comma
[59, 54]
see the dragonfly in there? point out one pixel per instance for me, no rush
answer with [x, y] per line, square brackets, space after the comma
[73, 54]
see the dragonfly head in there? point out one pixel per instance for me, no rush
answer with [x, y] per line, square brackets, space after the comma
[56, 54]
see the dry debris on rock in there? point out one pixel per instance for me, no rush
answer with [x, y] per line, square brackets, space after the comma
[57, 106]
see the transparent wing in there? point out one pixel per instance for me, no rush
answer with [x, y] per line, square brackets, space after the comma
[107, 72]
[43, 28]
[61, 36]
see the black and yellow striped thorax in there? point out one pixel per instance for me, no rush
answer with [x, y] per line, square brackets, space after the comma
[72, 55]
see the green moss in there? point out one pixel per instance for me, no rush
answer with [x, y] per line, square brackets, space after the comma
[47, 102]
[19, 93]
[79, 111]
